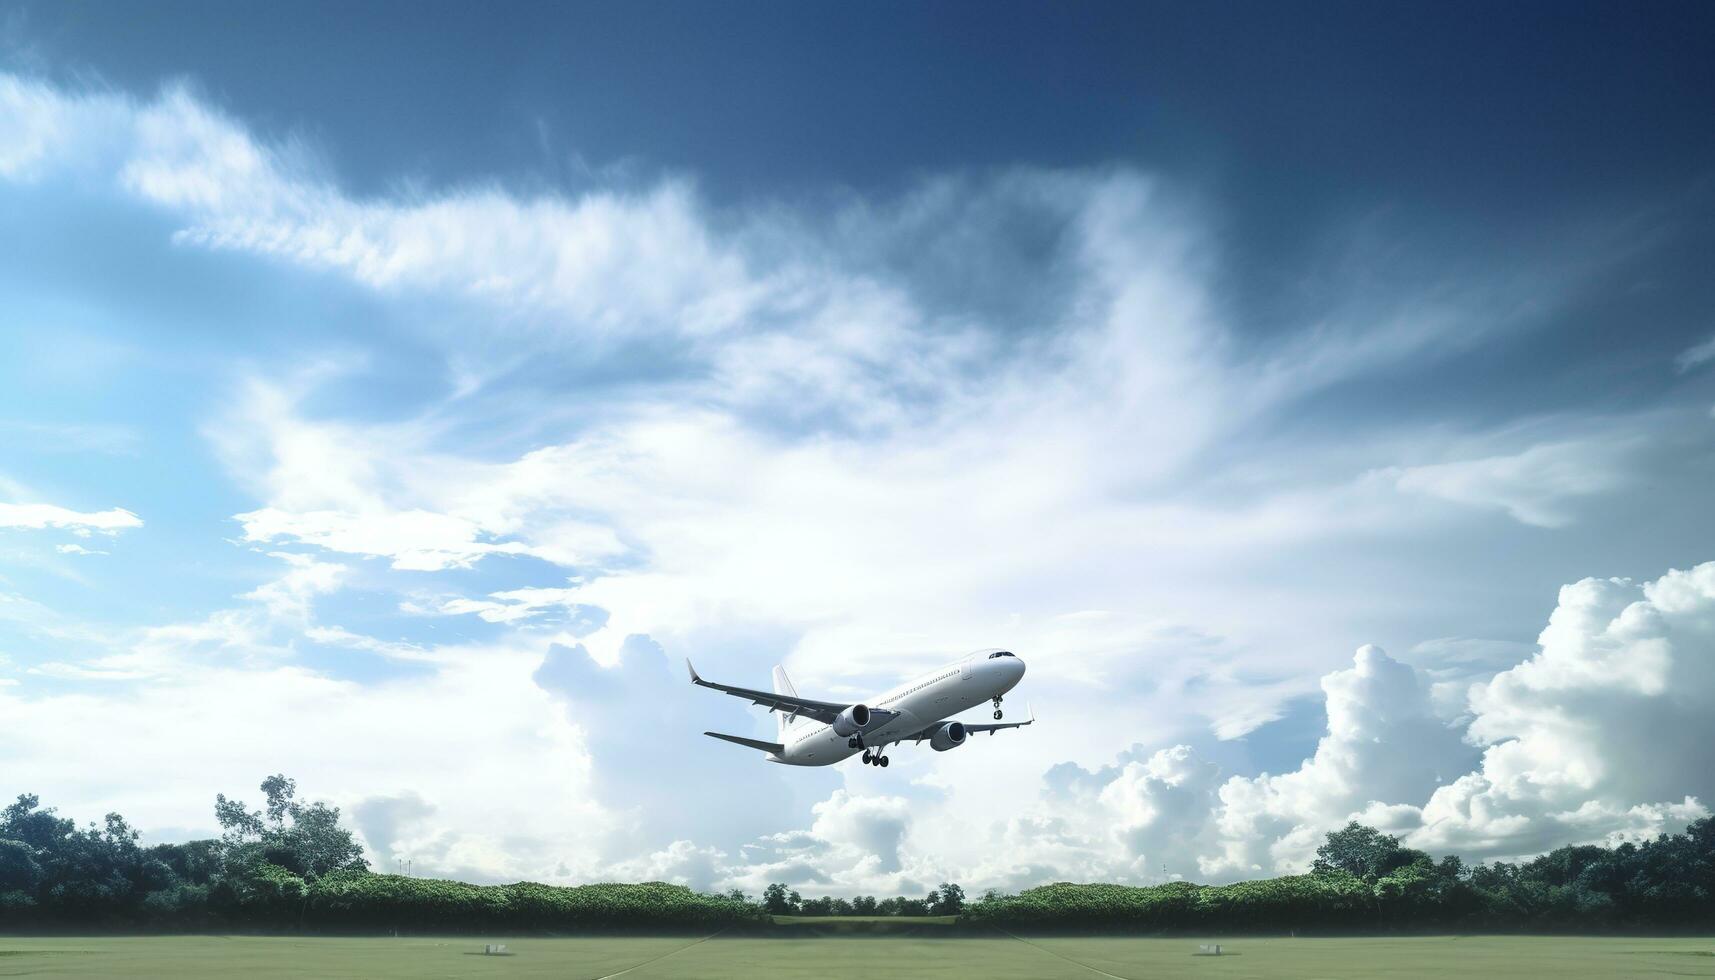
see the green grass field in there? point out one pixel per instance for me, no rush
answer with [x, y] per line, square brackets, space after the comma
[815, 958]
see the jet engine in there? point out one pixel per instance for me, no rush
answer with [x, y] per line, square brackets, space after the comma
[851, 721]
[948, 736]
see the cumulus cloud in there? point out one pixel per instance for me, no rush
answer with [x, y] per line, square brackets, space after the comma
[1143, 818]
[871, 825]
[855, 845]
[1174, 809]
[1605, 731]
[1453, 664]
[1602, 734]
[1161, 804]
[679, 863]
[391, 826]
[642, 725]
[1386, 743]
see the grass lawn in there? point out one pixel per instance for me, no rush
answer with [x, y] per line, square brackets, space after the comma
[816, 957]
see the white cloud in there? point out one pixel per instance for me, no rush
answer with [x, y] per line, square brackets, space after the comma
[37, 516]
[1696, 356]
[382, 492]
[679, 863]
[224, 704]
[77, 549]
[290, 595]
[855, 845]
[1535, 486]
[1604, 734]
[870, 826]
[395, 650]
[394, 828]
[1161, 805]
[1454, 664]
[1606, 730]
[41, 128]
[416, 540]
[758, 300]
[1385, 744]
[510, 605]
[501, 811]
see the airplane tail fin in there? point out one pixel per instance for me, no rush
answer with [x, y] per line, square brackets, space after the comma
[783, 685]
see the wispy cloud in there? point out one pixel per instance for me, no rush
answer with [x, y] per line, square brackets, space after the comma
[1537, 485]
[1696, 356]
[39, 516]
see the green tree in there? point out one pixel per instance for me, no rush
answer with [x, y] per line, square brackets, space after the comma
[1364, 852]
[25, 821]
[305, 840]
[19, 871]
[949, 899]
[777, 900]
[912, 906]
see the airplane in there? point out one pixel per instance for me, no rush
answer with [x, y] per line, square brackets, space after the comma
[915, 711]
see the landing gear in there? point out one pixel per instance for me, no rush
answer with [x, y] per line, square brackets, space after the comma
[874, 758]
[866, 757]
[854, 742]
[883, 762]
[997, 708]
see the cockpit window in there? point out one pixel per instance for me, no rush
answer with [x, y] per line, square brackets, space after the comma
[999, 653]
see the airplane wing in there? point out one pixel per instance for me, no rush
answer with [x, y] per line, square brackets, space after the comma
[972, 729]
[822, 711]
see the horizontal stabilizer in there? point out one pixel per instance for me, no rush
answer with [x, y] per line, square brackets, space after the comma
[754, 743]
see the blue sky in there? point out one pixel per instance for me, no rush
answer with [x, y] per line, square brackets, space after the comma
[394, 396]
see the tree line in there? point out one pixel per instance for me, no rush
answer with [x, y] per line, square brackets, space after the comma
[777, 899]
[291, 865]
[1365, 880]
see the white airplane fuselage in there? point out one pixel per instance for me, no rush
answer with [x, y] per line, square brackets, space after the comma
[936, 696]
